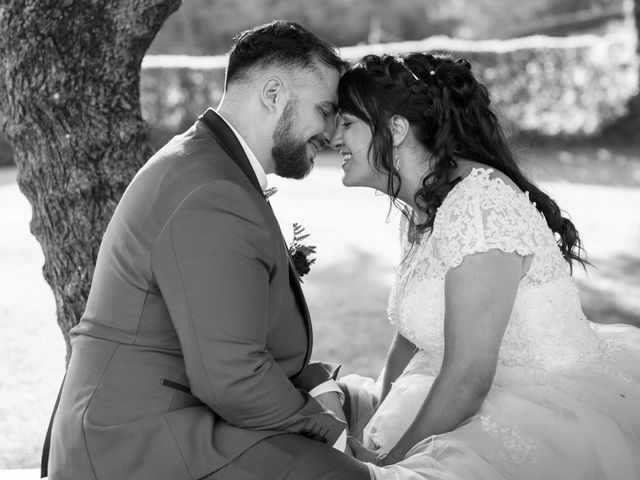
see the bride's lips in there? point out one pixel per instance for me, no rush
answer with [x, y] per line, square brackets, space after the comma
[346, 157]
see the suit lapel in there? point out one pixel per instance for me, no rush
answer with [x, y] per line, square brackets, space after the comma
[228, 140]
[294, 280]
[230, 143]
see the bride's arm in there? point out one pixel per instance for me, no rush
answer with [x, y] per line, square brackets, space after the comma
[400, 352]
[479, 297]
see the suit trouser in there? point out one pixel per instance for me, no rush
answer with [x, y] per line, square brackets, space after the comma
[292, 457]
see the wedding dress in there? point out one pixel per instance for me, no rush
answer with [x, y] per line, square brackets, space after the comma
[565, 401]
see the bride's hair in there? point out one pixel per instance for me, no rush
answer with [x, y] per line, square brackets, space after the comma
[450, 114]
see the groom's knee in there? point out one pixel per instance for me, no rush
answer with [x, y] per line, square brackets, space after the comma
[293, 457]
[312, 460]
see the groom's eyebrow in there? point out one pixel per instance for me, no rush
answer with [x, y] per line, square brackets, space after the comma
[329, 106]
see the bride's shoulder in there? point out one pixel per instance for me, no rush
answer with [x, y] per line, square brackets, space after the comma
[478, 181]
[480, 175]
[485, 210]
[482, 195]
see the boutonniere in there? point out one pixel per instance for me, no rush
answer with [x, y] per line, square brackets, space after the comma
[301, 253]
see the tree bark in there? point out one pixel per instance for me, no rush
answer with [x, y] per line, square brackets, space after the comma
[634, 104]
[636, 17]
[69, 93]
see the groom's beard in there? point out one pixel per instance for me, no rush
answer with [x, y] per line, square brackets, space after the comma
[289, 154]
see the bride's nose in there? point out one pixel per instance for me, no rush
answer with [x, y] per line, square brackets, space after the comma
[336, 140]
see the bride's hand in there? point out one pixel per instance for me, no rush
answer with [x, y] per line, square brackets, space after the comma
[362, 453]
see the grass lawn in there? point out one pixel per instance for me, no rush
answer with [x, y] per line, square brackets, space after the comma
[348, 286]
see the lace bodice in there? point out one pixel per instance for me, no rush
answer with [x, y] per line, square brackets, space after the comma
[547, 330]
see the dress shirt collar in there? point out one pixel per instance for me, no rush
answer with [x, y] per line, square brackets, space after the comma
[253, 160]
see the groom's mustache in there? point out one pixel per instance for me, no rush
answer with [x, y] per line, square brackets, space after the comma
[318, 142]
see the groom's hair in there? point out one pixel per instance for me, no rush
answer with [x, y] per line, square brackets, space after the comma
[281, 43]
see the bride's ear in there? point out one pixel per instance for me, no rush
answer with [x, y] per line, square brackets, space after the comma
[399, 129]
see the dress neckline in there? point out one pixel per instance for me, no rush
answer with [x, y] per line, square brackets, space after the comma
[481, 175]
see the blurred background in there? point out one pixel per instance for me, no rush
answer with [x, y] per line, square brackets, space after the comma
[564, 79]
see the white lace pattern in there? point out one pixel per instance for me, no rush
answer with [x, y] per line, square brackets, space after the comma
[547, 330]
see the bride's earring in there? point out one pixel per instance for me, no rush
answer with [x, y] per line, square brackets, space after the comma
[396, 158]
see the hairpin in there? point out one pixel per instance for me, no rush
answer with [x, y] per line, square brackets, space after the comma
[400, 60]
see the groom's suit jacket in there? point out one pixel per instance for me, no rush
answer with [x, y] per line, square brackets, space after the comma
[196, 338]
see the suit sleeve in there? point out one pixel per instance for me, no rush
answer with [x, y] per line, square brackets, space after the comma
[212, 263]
[315, 374]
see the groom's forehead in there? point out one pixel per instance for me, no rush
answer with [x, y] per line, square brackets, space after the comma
[319, 74]
[322, 87]
[321, 99]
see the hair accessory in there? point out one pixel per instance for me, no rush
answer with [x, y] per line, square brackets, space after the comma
[400, 60]
[396, 158]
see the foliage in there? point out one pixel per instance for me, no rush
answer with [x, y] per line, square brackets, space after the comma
[499, 18]
[207, 27]
[172, 98]
[553, 90]
[301, 253]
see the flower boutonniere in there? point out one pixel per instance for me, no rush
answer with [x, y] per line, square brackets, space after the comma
[301, 253]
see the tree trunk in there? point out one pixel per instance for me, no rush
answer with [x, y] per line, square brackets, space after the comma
[636, 17]
[634, 104]
[69, 93]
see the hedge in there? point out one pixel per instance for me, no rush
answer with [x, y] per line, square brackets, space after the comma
[550, 86]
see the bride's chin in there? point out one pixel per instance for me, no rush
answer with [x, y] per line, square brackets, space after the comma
[347, 182]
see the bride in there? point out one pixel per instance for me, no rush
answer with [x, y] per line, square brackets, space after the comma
[494, 372]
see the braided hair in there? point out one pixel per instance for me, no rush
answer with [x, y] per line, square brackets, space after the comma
[450, 114]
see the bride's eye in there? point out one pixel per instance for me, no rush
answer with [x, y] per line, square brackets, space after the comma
[346, 123]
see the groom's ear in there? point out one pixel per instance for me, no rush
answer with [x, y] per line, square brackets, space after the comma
[399, 128]
[274, 94]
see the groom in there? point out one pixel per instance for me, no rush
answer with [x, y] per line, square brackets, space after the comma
[191, 359]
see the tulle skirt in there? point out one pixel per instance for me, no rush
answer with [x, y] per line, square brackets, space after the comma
[580, 423]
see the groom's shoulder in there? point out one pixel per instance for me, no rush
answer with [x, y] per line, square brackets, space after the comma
[191, 150]
[185, 168]
[187, 161]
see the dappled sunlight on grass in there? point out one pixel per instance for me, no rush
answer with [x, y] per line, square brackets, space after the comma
[608, 219]
[348, 303]
[599, 164]
[611, 291]
[33, 349]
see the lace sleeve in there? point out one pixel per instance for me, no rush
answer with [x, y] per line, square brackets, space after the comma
[480, 216]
